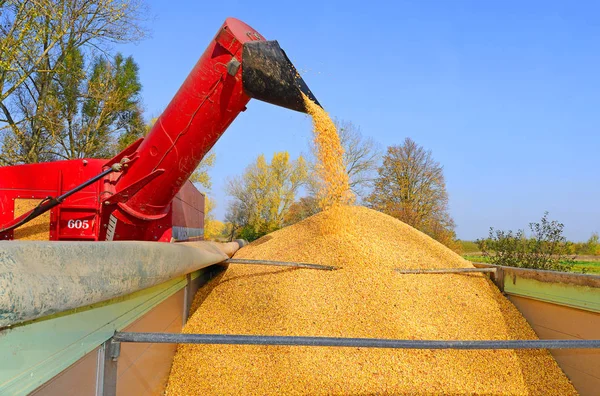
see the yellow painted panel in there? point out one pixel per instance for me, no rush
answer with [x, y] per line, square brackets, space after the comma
[37, 229]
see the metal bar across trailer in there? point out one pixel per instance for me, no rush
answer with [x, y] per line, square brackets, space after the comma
[234, 339]
[107, 379]
[445, 270]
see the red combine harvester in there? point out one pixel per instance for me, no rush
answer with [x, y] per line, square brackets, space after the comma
[143, 193]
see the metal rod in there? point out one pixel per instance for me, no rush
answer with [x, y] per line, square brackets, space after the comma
[282, 264]
[444, 270]
[108, 382]
[233, 339]
[114, 168]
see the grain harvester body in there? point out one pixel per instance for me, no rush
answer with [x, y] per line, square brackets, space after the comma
[143, 193]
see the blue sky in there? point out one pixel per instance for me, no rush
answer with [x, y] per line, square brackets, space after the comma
[504, 93]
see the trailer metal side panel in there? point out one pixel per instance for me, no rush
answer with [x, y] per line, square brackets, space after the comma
[36, 351]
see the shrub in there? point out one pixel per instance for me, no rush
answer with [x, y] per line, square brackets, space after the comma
[545, 249]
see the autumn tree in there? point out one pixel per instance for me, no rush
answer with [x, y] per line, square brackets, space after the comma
[217, 230]
[238, 215]
[301, 209]
[43, 47]
[361, 158]
[591, 246]
[209, 217]
[201, 178]
[201, 175]
[263, 195]
[410, 186]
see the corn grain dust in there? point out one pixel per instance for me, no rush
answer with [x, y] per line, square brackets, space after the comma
[334, 184]
[366, 298]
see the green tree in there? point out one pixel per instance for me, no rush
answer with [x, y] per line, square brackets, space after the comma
[43, 45]
[263, 195]
[84, 114]
[410, 186]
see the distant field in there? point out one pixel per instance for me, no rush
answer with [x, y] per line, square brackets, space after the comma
[469, 247]
[591, 264]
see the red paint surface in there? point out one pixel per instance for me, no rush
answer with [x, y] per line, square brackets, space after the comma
[38, 181]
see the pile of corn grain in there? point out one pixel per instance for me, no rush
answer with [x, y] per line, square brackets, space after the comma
[366, 298]
[334, 186]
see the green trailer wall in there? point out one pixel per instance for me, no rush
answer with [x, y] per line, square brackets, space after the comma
[559, 306]
[63, 353]
[36, 354]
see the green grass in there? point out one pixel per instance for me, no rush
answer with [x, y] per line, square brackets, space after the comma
[592, 267]
[469, 246]
[478, 259]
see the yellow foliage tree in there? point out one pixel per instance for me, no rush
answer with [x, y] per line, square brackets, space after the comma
[262, 196]
[210, 225]
[201, 175]
[216, 230]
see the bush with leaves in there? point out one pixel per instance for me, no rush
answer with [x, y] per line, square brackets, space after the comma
[545, 249]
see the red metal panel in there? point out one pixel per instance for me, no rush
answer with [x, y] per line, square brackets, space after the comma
[186, 216]
[188, 207]
[188, 213]
[45, 176]
[77, 223]
[39, 181]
